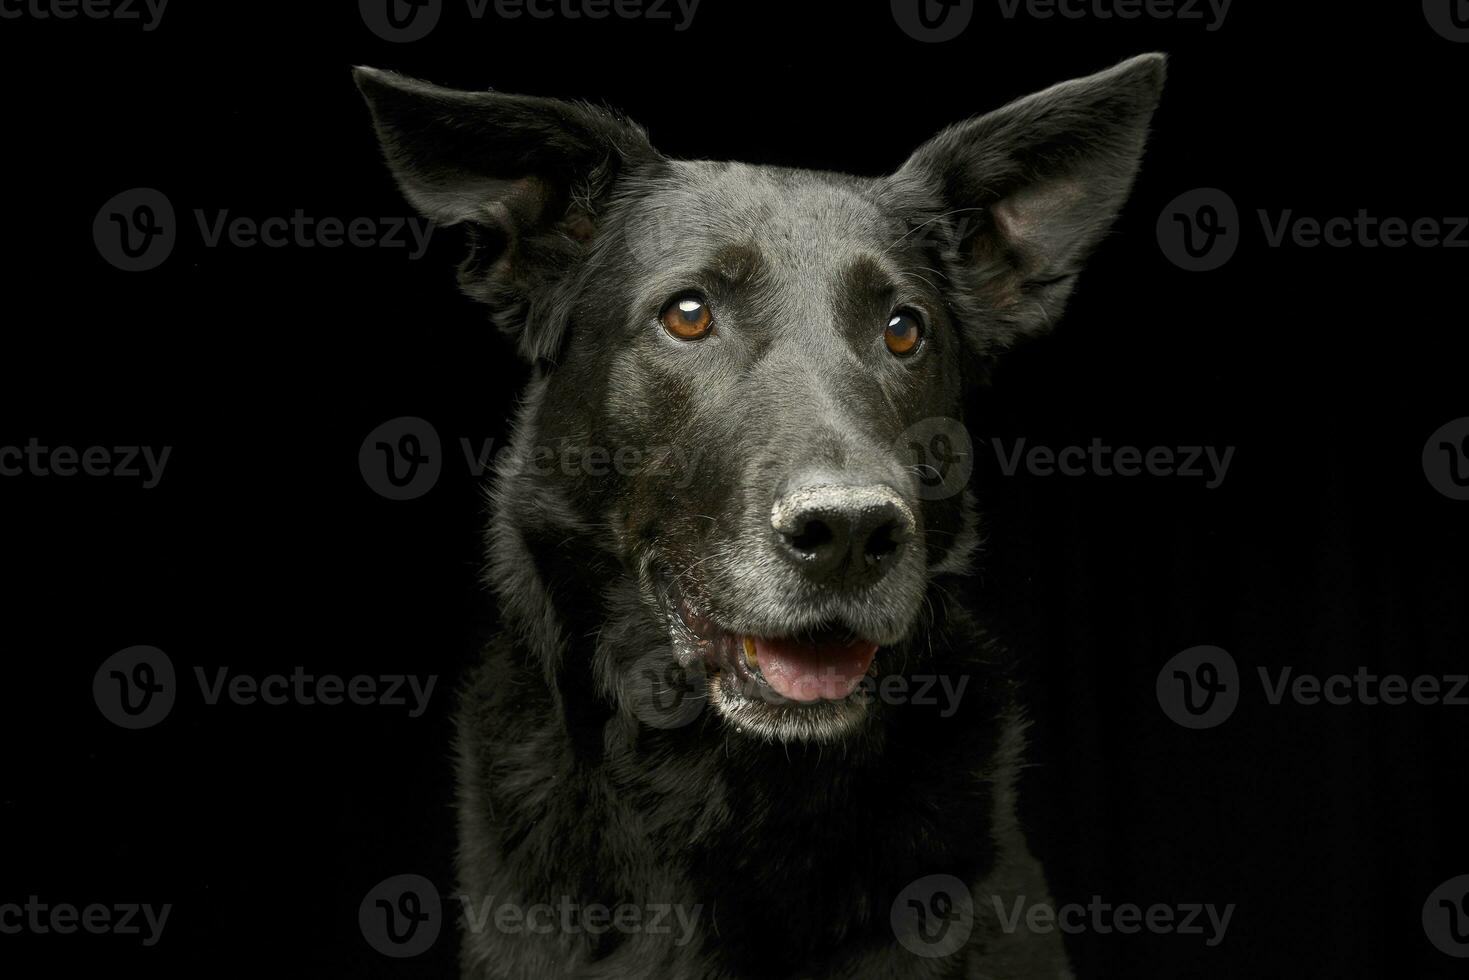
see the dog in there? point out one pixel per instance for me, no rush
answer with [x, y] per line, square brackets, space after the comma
[725, 535]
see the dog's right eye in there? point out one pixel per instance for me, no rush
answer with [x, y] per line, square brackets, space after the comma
[904, 333]
[687, 318]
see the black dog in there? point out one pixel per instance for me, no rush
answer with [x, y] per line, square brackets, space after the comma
[727, 555]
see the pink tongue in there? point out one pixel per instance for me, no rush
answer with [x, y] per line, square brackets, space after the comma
[810, 671]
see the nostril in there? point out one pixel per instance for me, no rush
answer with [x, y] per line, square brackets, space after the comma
[812, 535]
[882, 542]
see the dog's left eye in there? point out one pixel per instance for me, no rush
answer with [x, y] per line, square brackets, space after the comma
[687, 318]
[904, 333]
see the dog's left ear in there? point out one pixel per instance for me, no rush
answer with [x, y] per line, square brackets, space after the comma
[1030, 189]
[527, 177]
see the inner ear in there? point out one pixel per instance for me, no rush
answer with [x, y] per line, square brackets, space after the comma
[531, 206]
[580, 226]
[526, 177]
[1036, 237]
[520, 163]
[1040, 222]
[1046, 176]
[521, 204]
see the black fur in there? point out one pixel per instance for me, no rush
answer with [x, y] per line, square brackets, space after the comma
[577, 784]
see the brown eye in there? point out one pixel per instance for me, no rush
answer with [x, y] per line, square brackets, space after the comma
[688, 318]
[904, 333]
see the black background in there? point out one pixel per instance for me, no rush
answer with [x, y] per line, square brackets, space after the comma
[263, 548]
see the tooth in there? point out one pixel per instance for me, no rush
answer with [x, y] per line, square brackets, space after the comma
[752, 661]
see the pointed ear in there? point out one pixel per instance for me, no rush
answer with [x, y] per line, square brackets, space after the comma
[527, 177]
[1027, 192]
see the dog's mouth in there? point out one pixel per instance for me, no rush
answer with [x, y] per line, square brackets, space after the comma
[805, 685]
[823, 664]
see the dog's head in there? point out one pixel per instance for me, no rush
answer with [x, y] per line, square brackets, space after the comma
[744, 372]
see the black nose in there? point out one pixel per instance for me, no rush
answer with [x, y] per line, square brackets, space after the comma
[842, 535]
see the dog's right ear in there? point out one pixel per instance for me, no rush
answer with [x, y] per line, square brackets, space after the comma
[527, 177]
